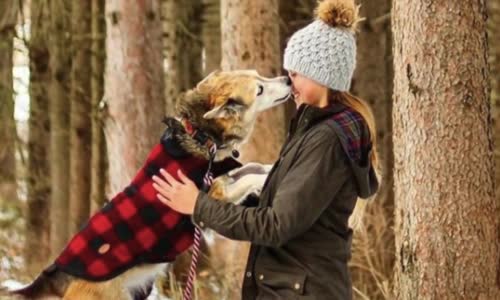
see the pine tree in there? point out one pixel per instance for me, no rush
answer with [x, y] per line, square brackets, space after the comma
[447, 234]
[59, 106]
[38, 181]
[134, 86]
[98, 164]
[8, 186]
[80, 116]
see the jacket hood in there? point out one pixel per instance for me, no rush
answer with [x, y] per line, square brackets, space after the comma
[354, 135]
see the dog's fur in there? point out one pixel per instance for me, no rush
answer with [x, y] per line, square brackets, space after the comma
[224, 106]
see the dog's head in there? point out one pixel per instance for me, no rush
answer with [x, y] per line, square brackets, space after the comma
[226, 104]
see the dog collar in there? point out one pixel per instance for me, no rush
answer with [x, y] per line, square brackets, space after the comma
[197, 134]
[204, 138]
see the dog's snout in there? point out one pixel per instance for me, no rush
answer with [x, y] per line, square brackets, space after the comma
[288, 81]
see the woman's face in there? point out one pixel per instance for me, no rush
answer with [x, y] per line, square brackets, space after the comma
[307, 91]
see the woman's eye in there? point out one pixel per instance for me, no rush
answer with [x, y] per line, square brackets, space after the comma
[260, 90]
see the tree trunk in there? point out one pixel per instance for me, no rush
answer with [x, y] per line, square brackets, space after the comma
[294, 14]
[8, 186]
[494, 43]
[38, 183]
[447, 235]
[211, 35]
[183, 53]
[182, 44]
[59, 106]
[134, 86]
[80, 123]
[98, 149]
[374, 245]
[250, 40]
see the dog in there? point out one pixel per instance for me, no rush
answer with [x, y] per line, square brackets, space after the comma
[219, 113]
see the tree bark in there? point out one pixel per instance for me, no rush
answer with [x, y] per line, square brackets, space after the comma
[183, 48]
[59, 106]
[494, 43]
[80, 121]
[372, 82]
[250, 40]
[8, 185]
[98, 149]
[447, 234]
[38, 182]
[134, 86]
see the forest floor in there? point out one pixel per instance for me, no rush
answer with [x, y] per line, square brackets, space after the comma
[11, 245]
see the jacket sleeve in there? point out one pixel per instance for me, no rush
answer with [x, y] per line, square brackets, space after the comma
[304, 193]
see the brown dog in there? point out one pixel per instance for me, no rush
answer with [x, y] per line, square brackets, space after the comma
[224, 106]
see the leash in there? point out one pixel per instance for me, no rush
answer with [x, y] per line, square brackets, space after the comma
[207, 182]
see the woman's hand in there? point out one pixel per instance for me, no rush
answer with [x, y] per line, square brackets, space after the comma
[178, 195]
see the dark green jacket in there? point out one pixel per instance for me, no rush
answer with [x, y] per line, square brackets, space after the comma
[299, 229]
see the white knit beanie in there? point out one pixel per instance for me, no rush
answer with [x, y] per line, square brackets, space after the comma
[325, 50]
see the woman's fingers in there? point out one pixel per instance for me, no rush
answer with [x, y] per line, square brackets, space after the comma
[169, 178]
[161, 182]
[164, 199]
[167, 192]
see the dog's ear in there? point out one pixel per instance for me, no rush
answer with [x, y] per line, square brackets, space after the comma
[213, 73]
[230, 108]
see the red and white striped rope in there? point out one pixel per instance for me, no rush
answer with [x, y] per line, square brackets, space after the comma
[207, 182]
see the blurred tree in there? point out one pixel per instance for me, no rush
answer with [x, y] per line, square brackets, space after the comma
[211, 35]
[8, 186]
[373, 82]
[182, 23]
[80, 119]
[251, 40]
[59, 106]
[294, 14]
[134, 90]
[447, 233]
[38, 182]
[98, 164]
[183, 47]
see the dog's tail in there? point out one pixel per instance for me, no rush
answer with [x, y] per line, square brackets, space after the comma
[50, 282]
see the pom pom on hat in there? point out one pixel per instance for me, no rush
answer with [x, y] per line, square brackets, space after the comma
[343, 13]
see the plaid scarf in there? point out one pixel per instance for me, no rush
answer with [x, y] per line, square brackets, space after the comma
[355, 136]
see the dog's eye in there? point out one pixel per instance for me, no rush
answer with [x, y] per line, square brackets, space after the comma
[260, 90]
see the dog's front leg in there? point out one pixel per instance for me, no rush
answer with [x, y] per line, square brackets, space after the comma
[226, 188]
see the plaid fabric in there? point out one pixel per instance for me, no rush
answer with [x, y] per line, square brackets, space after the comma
[355, 136]
[135, 227]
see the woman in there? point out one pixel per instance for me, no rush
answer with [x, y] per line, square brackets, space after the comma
[299, 229]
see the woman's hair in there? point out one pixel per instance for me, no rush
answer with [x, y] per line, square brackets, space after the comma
[366, 113]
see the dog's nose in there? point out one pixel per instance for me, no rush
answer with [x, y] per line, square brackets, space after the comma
[288, 81]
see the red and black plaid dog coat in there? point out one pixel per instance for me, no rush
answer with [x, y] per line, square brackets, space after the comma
[135, 227]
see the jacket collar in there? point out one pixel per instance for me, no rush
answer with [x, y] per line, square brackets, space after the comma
[308, 115]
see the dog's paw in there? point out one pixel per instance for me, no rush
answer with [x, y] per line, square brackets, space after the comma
[248, 169]
[218, 188]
